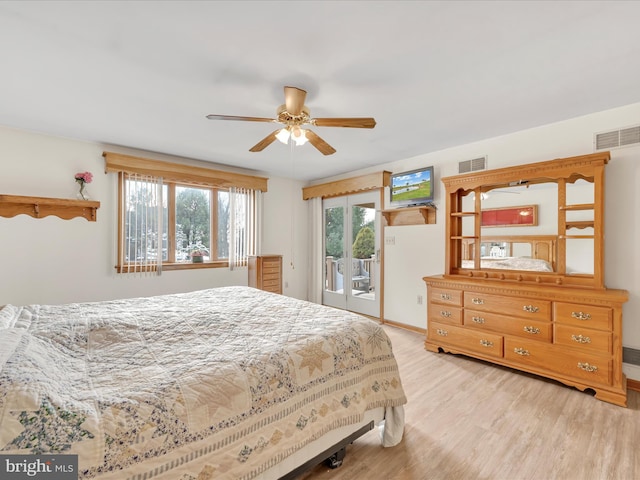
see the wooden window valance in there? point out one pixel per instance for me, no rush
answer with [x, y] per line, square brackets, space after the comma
[348, 186]
[177, 172]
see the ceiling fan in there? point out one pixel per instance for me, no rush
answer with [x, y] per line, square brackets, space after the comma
[294, 115]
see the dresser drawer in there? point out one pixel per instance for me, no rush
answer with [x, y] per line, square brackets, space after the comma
[596, 341]
[584, 366]
[445, 314]
[466, 339]
[271, 282]
[511, 306]
[585, 316]
[508, 325]
[271, 276]
[445, 296]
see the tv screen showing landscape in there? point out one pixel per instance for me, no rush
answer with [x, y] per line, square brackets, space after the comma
[414, 187]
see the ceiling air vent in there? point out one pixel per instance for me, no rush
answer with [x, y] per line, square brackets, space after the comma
[472, 165]
[617, 138]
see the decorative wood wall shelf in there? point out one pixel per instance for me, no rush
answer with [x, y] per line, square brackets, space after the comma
[39, 207]
[410, 216]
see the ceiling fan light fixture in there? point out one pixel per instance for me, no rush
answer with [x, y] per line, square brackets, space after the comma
[299, 136]
[283, 136]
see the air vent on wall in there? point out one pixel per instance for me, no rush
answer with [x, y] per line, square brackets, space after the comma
[617, 138]
[472, 165]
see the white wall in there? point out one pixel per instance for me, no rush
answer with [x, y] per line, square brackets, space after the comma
[285, 232]
[418, 250]
[50, 260]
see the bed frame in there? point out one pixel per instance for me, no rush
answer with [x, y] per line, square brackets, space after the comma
[329, 449]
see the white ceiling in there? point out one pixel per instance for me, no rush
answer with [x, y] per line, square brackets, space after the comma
[433, 74]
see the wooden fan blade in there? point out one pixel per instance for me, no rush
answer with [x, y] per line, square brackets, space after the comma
[294, 100]
[265, 142]
[319, 143]
[345, 122]
[246, 119]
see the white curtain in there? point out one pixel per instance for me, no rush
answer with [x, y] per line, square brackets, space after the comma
[141, 246]
[316, 258]
[245, 218]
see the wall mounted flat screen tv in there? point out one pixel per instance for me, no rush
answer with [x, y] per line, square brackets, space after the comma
[415, 187]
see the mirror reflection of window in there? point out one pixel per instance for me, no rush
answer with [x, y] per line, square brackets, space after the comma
[579, 256]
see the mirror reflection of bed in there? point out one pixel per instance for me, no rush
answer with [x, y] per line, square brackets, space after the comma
[515, 252]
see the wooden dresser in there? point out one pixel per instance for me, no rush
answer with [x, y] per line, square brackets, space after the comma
[265, 272]
[557, 322]
[569, 334]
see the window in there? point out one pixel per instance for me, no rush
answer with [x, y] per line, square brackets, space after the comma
[167, 211]
[193, 218]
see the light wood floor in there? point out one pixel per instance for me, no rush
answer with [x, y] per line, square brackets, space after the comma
[466, 419]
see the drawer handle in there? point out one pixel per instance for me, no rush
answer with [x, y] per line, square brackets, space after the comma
[477, 301]
[442, 333]
[530, 308]
[445, 314]
[477, 319]
[580, 339]
[486, 343]
[581, 315]
[445, 296]
[521, 351]
[587, 367]
[533, 330]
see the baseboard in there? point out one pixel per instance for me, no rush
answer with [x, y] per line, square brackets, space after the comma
[633, 385]
[422, 331]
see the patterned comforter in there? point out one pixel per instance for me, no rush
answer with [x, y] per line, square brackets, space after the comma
[218, 383]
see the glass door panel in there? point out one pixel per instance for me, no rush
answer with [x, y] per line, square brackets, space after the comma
[352, 253]
[334, 248]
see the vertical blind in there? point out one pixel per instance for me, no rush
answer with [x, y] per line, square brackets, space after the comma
[244, 225]
[141, 223]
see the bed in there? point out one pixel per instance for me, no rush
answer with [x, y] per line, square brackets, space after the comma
[229, 382]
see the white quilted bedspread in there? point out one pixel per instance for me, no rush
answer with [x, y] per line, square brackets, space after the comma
[219, 383]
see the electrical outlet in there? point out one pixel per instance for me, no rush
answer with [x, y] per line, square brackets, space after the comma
[390, 240]
[419, 299]
[286, 284]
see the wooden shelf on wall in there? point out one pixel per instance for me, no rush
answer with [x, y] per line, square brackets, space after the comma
[423, 215]
[39, 207]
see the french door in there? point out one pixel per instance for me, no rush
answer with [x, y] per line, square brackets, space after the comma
[352, 253]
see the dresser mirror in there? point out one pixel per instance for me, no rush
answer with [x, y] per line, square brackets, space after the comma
[563, 241]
